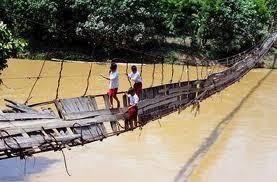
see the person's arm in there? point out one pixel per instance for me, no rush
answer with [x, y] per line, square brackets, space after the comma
[105, 77]
[133, 106]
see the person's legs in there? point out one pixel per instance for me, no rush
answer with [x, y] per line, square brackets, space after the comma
[131, 124]
[110, 93]
[117, 100]
[135, 117]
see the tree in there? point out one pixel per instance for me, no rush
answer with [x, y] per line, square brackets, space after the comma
[229, 26]
[9, 46]
[131, 22]
[182, 17]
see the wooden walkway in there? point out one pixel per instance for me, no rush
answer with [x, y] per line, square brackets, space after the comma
[25, 130]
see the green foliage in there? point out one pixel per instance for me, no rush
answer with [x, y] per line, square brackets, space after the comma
[9, 46]
[232, 25]
[182, 16]
[130, 22]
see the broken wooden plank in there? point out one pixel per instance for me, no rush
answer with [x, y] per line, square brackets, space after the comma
[24, 116]
[34, 141]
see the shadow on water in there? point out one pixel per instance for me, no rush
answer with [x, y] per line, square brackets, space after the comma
[18, 170]
[195, 159]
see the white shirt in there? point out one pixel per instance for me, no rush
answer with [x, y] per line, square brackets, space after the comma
[133, 99]
[114, 80]
[135, 77]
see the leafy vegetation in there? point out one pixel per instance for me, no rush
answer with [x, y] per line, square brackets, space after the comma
[216, 28]
[9, 46]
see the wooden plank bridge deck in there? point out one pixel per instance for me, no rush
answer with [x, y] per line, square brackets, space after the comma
[26, 130]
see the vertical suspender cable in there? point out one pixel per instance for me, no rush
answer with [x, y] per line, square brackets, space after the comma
[188, 89]
[153, 73]
[182, 73]
[59, 80]
[30, 93]
[162, 81]
[202, 67]
[141, 66]
[172, 71]
[88, 79]
[197, 71]
[126, 71]
[89, 73]
[207, 68]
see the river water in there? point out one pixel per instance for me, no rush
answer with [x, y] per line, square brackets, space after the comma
[246, 150]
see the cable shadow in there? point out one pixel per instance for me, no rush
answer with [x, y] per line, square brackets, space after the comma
[17, 170]
[197, 156]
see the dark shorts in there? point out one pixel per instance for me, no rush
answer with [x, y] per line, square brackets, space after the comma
[133, 113]
[112, 92]
[138, 88]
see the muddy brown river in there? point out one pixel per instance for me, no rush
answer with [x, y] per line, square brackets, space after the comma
[246, 150]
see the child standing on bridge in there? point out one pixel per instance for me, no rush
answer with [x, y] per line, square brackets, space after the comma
[135, 76]
[114, 84]
[132, 109]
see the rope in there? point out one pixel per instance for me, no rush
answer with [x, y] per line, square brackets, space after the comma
[65, 163]
[153, 73]
[182, 73]
[35, 77]
[188, 78]
[196, 67]
[88, 79]
[38, 77]
[202, 68]
[81, 130]
[172, 72]
[21, 154]
[58, 147]
[126, 72]
[162, 81]
[141, 66]
[59, 80]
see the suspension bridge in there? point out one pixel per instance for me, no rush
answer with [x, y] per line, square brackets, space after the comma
[27, 129]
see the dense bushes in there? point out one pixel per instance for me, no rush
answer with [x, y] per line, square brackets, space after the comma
[216, 27]
[229, 26]
[9, 46]
[128, 22]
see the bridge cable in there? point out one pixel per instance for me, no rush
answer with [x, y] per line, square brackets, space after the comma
[141, 66]
[37, 78]
[59, 80]
[196, 67]
[89, 73]
[202, 68]
[88, 79]
[162, 81]
[207, 68]
[126, 72]
[172, 71]
[188, 78]
[153, 73]
[182, 73]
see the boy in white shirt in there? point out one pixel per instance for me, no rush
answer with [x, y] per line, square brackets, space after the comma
[133, 108]
[114, 84]
[135, 76]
